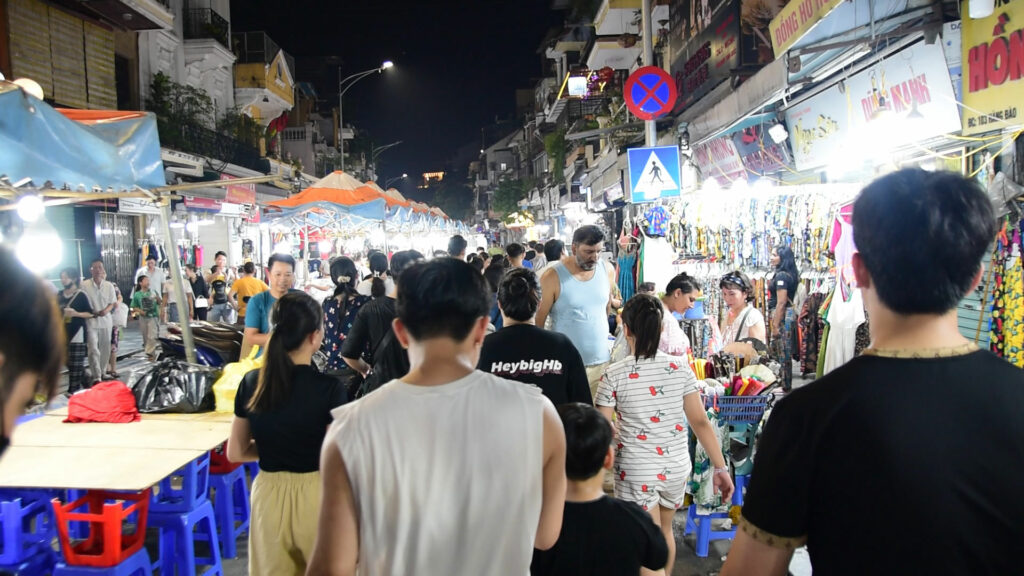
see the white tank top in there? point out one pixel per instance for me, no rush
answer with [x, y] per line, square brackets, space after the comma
[446, 479]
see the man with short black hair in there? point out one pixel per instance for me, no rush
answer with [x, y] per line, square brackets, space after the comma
[600, 534]
[257, 316]
[457, 247]
[448, 470]
[155, 274]
[923, 424]
[515, 253]
[221, 260]
[553, 250]
[576, 292]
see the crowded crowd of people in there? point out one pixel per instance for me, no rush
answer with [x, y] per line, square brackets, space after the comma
[471, 412]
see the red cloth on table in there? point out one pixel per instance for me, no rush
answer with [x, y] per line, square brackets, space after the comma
[105, 402]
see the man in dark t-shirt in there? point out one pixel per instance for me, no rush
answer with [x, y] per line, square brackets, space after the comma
[522, 351]
[924, 429]
[600, 535]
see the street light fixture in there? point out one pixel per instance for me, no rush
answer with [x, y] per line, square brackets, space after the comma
[343, 86]
[388, 183]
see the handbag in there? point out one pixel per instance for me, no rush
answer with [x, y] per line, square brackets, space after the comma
[202, 302]
[120, 315]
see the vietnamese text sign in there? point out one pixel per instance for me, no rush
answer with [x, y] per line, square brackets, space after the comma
[239, 193]
[796, 19]
[905, 98]
[653, 173]
[708, 59]
[993, 68]
[759, 153]
[718, 158]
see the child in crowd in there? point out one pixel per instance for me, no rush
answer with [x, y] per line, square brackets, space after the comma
[146, 307]
[600, 535]
[654, 395]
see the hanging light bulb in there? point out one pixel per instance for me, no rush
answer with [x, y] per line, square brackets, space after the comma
[711, 185]
[739, 185]
[30, 207]
[40, 247]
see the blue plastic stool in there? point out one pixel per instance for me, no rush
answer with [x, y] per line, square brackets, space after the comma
[133, 565]
[195, 483]
[741, 482]
[701, 524]
[40, 564]
[253, 468]
[27, 525]
[179, 533]
[230, 495]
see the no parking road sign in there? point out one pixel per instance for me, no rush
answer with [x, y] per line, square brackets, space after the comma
[650, 93]
[653, 173]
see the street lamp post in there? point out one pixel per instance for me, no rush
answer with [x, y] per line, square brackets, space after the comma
[388, 183]
[342, 88]
[376, 152]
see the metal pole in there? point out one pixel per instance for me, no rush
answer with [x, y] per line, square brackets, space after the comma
[650, 127]
[176, 279]
[341, 124]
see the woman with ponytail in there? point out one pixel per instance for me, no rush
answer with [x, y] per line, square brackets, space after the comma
[340, 312]
[377, 284]
[655, 395]
[522, 351]
[281, 416]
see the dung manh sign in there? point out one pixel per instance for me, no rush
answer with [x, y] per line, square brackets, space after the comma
[993, 68]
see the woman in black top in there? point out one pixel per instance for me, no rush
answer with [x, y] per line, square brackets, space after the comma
[76, 308]
[281, 416]
[780, 304]
[199, 290]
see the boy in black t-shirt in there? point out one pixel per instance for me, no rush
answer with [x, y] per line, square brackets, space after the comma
[600, 535]
[922, 431]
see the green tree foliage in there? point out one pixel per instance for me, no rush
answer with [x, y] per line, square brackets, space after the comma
[455, 198]
[507, 196]
[554, 145]
[241, 127]
[177, 105]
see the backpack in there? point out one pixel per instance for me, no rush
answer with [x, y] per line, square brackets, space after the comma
[390, 361]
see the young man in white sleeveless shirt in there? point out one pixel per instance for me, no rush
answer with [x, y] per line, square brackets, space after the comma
[447, 470]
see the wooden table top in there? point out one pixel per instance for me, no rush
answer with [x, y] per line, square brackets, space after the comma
[48, 453]
[127, 469]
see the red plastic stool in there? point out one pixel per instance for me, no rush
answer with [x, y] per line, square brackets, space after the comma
[105, 513]
[219, 463]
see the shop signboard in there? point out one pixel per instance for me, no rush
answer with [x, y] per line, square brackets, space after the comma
[795, 19]
[200, 203]
[718, 158]
[905, 98]
[239, 193]
[653, 173]
[687, 19]
[759, 153]
[993, 68]
[708, 59]
[951, 48]
[137, 206]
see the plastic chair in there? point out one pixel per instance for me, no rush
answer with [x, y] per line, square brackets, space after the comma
[740, 481]
[195, 482]
[701, 524]
[26, 525]
[179, 533]
[39, 564]
[137, 563]
[230, 495]
[253, 468]
[105, 514]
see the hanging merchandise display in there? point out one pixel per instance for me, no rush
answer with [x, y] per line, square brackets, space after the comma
[1007, 323]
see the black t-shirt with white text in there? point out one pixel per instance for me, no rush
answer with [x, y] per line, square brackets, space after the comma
[526, 353]
[603, 537]
[929, 450]
[289, 438]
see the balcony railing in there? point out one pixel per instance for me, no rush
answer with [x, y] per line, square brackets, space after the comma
[196, 139]
[201, 23]
[251, 47]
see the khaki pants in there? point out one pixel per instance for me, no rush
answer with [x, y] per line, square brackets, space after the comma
[282, 531]
[99, 352]
[594, 374]
[150, 329]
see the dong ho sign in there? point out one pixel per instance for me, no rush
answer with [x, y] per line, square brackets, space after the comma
[993, 66]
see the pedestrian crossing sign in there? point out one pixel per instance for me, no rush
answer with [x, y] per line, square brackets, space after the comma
[653, 173]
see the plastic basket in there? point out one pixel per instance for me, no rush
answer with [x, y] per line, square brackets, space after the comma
[738, 409]
[105, 513]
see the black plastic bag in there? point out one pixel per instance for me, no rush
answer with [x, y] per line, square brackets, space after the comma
[173, 385]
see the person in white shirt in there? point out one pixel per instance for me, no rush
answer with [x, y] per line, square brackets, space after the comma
[155, 274]
[168, 305]
[442, 501]
[103, 298]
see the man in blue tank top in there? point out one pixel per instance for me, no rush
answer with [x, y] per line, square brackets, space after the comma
[576, 292]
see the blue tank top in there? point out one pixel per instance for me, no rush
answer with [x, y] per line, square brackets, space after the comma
[581, 312]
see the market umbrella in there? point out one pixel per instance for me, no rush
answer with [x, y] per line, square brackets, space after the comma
[77, 148]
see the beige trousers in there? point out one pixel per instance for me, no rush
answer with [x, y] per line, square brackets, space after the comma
[282, 529]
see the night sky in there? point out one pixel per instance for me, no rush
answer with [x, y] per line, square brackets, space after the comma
[457, 65]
